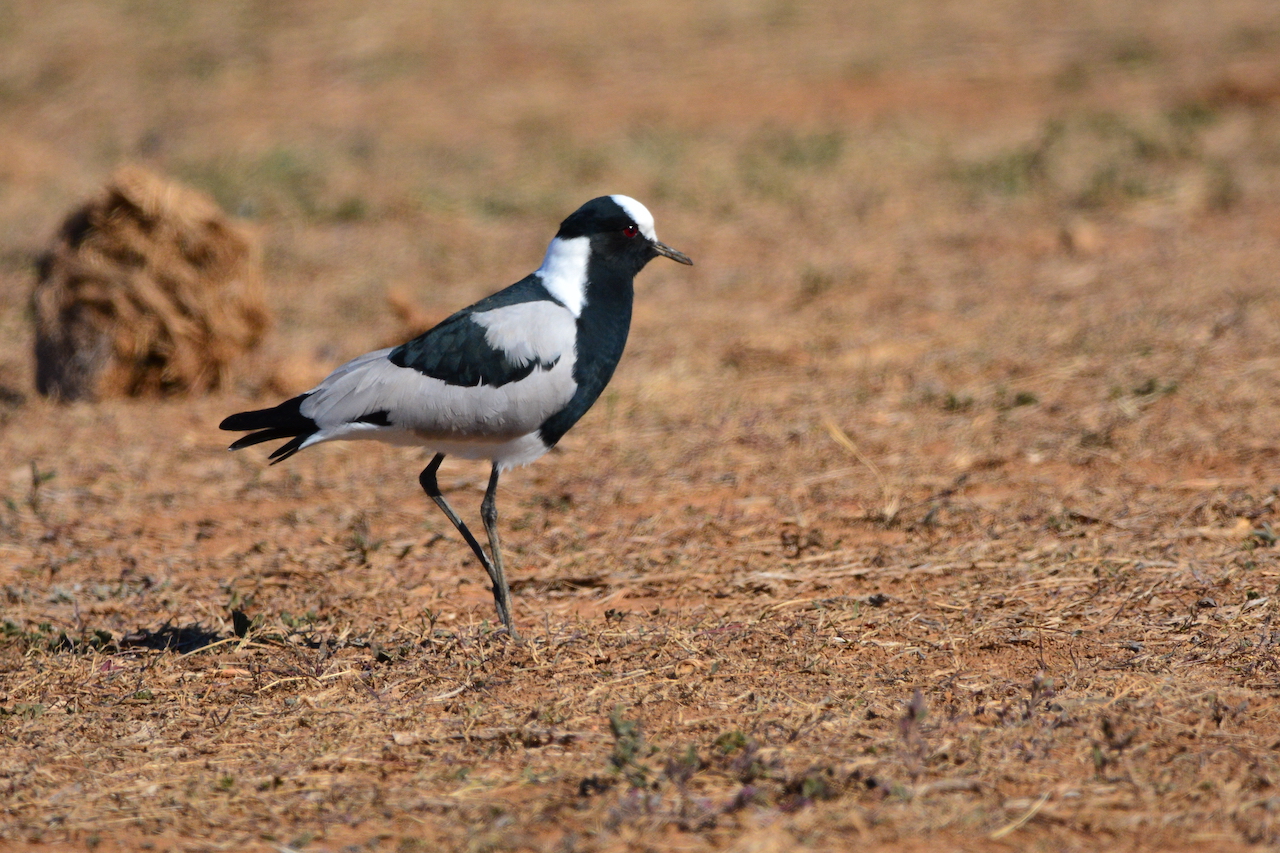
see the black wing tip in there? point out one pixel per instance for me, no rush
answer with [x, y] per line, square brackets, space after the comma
[261, 436]
[237, 422]
[283, 421]
[246, 440]
[289, 448]
[281, 453]
[287, 415]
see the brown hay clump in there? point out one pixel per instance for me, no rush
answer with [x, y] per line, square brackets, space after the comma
[149, 289]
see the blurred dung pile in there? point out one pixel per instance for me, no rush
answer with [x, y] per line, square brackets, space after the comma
[148, 290]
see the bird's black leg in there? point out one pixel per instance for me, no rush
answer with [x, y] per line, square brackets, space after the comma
[501, 594]
[489, 514]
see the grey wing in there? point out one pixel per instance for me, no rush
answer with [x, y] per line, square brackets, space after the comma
[532, 340]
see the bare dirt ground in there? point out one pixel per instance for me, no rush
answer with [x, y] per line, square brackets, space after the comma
[935, 508]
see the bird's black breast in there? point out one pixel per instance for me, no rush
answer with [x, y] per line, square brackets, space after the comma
[457, 351]
[602, 330]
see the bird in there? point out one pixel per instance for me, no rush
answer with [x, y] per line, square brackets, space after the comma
[503, 379]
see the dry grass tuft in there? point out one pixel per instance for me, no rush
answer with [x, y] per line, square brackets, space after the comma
[148, 290]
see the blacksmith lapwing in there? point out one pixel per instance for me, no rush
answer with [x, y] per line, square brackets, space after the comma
[502, 380]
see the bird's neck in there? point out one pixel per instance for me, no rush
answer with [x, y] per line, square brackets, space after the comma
[605, 318]
[602, 324]
[564, 271]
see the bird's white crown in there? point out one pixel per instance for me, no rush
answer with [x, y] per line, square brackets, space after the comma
[638, 213]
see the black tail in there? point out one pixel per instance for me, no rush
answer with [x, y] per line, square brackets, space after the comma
[283, 421]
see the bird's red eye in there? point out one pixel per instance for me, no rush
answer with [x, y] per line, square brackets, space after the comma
[630, 231]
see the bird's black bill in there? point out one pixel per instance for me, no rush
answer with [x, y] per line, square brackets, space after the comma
[668, 252]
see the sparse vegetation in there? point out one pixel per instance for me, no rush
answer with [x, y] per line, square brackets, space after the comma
[937, 508]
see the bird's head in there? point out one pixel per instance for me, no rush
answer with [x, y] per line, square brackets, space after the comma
[619, 228]
[599, 249]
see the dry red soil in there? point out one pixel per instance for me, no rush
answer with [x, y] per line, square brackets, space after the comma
[935, 508]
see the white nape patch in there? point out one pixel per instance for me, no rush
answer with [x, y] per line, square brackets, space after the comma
[564, 271]
[529, 331]
[639, 214]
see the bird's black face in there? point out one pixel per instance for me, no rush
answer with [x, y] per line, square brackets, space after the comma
[615, 234]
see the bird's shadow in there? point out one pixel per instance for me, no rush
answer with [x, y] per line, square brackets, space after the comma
[182, 639]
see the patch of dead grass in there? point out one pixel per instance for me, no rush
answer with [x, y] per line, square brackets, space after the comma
[1034, 607]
